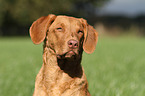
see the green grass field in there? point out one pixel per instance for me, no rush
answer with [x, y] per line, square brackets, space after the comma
[116, 68]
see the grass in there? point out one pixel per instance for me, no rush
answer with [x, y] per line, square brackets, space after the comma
[116, 68]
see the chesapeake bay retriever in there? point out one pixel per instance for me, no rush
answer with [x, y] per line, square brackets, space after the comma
[64, 38]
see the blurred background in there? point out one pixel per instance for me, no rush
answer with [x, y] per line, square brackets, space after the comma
[116, 68]
[110, 16]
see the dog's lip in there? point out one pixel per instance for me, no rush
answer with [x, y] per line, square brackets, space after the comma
[71, 52]
[60, 56]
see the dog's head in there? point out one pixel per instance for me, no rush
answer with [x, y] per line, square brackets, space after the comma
[66, 36]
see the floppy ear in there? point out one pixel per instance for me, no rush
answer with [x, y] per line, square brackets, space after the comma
[90, 37]
[39, 28]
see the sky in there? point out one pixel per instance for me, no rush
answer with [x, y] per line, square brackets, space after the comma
[123, 7]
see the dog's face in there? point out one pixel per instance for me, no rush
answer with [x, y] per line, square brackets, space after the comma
[67, 36]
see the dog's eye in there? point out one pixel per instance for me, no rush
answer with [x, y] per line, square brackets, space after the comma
[80, 32]
[59, 29]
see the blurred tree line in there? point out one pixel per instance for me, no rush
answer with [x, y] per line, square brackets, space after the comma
[16, 16]
[123, 24]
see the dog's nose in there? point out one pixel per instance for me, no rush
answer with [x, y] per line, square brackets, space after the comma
[72, 44]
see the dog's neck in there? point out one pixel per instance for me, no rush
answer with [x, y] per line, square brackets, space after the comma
[72, 67]
[60, 76]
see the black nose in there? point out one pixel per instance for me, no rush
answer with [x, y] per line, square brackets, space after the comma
[72, 44]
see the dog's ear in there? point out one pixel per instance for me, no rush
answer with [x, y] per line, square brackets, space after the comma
[39, 28]
[90, 37]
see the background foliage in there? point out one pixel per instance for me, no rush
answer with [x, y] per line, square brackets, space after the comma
[16, 16]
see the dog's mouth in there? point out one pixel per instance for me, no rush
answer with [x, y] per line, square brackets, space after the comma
[70, 55]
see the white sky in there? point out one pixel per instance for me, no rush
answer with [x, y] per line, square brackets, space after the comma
[126, 7]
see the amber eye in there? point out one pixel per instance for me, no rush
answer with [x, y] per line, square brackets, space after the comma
[59, 29]
[80, 32]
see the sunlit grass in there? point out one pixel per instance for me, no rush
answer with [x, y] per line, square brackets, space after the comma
[19, 62]
[116, 68]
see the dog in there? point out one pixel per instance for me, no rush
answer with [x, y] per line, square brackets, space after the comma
[65, 38]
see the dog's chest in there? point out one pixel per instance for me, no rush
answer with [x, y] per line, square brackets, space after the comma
[62, 84]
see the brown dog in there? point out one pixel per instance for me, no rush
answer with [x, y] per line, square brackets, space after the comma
[64, 38]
